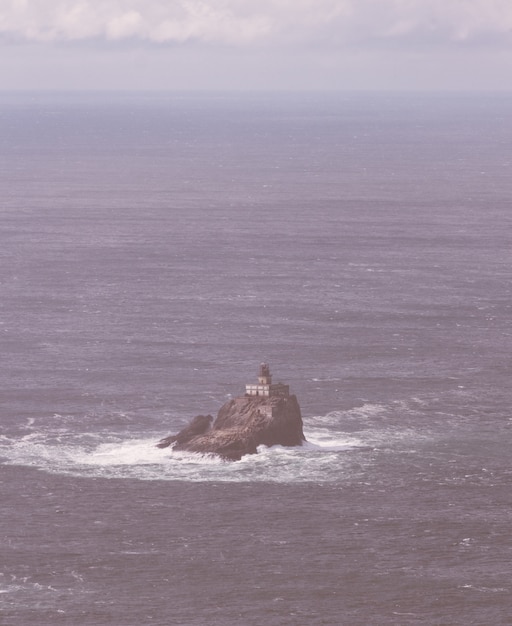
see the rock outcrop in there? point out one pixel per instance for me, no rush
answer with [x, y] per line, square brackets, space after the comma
[243, 424]
[199, 425]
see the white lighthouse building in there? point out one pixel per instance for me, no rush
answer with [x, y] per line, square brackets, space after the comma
[264, 386]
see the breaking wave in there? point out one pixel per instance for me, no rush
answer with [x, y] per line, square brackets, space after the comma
[331, 452]
[139, 458]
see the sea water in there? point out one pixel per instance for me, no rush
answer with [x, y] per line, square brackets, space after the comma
[154, 249]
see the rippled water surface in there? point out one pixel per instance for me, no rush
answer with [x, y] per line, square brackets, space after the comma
[153, 251]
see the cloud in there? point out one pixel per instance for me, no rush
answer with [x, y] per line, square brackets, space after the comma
[157, 21]
[246, 22]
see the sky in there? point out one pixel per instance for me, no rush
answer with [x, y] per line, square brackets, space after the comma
[256, 44]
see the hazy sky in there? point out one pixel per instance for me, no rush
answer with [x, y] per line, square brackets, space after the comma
[256, 44]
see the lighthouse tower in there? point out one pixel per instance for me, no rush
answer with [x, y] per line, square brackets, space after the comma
[264, 376]
[264, 386]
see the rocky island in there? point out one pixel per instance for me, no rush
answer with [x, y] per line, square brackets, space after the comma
[266, 415]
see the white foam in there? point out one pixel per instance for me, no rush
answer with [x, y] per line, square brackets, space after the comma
[323, 458]
[322, 440]
[139, 458]
[362, 413]
[22, 585]
[124, 453]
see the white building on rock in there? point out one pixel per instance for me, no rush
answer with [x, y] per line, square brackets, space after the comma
[264, 386]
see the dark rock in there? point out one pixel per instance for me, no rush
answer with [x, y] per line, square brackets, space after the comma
[245, 423]
[199, 425]
[267, 415]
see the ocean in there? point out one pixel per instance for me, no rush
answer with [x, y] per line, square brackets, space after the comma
[154, 249]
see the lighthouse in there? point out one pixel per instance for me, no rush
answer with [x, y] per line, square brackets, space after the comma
[264, 376]
[264, 386]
